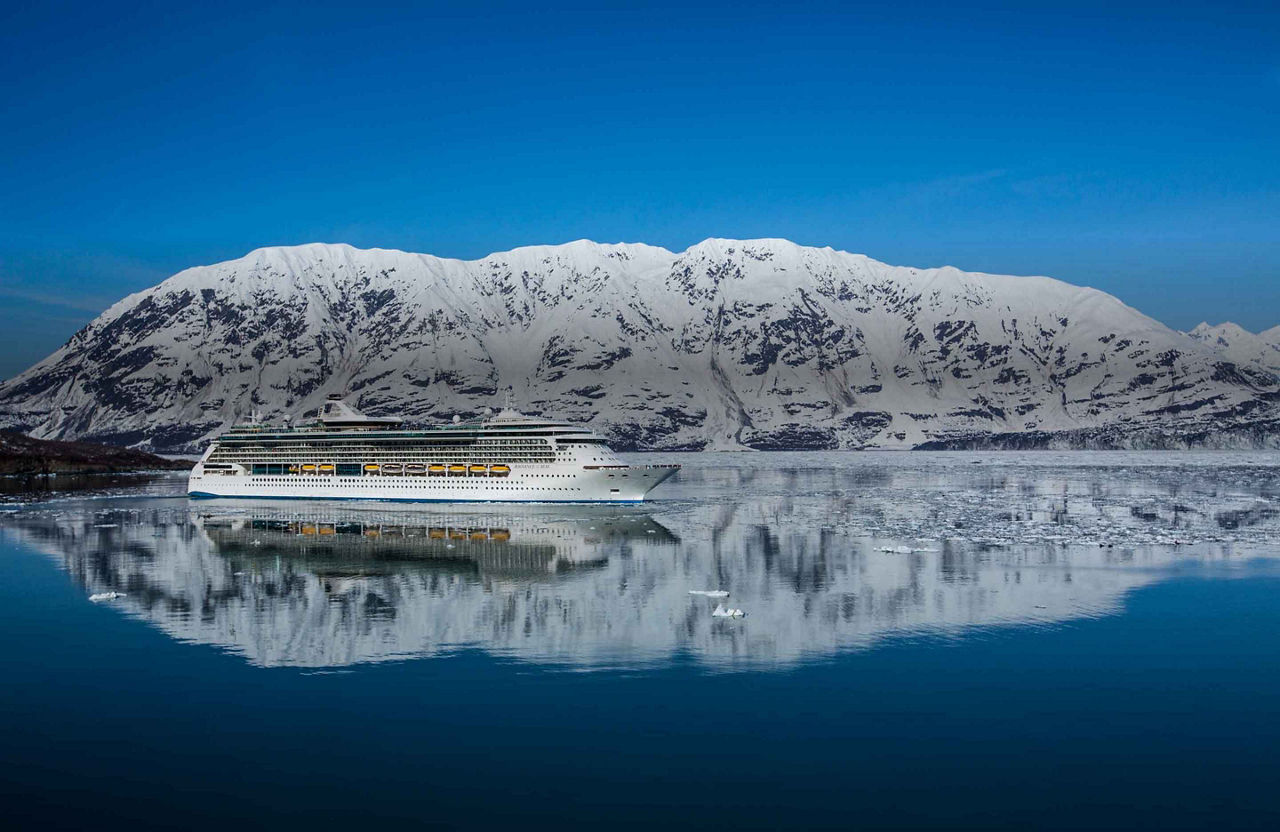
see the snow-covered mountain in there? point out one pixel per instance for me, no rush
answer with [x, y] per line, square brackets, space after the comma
[759, 343]
[1240, 345]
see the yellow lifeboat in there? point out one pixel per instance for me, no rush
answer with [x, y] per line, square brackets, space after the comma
[324, 530]
[499, 470]
[479, 469]
[435, 469]
[371, 468]
[372, 532]
[457, 469]
[436, 534]
[326, 468]
[499, 534]
[308, 529]
[479, 534]
[308, 467]
[457, 534]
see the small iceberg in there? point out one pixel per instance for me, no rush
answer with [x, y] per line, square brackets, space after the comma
[721, 612]
[710, 593]
[105, 596]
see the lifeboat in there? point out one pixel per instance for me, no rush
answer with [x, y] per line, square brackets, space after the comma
[373, 533]
[436, 534]
[457, 534]
[415, 469]
[499, 470]
[308, 468]
[308, 529]
[499, 534]
[326, 468]
[435, 470]
[324, 530]
[457, 469]
[371, 468]
[479, 534]
[392, 468]
[480, 470]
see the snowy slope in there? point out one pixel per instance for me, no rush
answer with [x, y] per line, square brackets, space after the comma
[759, 343]
[1240, 345]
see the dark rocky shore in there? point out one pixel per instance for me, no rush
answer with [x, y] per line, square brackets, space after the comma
[24, 456]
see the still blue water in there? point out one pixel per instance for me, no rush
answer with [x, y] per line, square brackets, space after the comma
[929, 641]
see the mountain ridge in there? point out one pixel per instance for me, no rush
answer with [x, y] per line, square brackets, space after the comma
[1240, 345]
[730, 343]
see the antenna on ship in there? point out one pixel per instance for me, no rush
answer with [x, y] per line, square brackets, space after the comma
[508, 399]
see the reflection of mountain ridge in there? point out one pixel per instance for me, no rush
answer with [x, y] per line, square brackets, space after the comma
[314, 585]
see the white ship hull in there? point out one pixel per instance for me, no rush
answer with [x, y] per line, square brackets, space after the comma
[614, 485]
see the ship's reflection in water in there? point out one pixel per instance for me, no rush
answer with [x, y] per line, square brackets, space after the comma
[477, 544]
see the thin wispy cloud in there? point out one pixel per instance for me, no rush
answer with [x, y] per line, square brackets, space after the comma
[948, 187]
[82, 303]
[940, 190]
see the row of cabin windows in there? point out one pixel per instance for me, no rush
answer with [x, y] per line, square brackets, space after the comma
[482, 445]
[356, 470]
[331, 456]
[486, 486]
[531, 444]
[272, 470]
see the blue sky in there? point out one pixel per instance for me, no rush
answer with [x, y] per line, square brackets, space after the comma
[1132, 147]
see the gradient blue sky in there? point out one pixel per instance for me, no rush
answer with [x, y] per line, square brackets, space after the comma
[1131, 147]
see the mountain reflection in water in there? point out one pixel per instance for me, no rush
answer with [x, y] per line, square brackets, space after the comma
[821, 560]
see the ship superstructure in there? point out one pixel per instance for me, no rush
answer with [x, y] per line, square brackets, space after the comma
[509, 457]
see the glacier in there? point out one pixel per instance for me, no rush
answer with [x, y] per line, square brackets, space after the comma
[730, 344]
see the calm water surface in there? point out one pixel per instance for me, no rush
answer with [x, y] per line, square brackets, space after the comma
[929, 640]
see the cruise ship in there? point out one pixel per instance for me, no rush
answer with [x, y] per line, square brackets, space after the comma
[509, 457]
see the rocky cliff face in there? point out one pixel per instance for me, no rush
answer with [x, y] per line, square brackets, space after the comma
[759, 343]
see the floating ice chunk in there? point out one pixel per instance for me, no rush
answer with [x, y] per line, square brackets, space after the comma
[710, 593]
[721, 612]
[105, 596]
[106, 525]
[903, 550]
